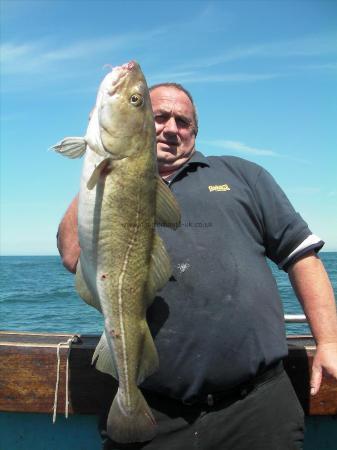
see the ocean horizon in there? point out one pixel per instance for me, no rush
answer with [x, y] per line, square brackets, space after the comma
[37, 294]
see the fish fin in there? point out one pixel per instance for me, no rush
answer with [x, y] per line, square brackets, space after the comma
[160, 269]
[103, 358]
[83, 290]
[167, 207]
[137, 425]
[72, 147]
[149, 361]
[103, 166]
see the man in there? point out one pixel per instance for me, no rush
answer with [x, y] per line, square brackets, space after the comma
[218, 323]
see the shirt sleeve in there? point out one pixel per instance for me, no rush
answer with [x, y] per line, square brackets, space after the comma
[311, 243]
[284, 230]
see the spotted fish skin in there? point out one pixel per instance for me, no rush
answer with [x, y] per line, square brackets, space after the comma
[123, 261]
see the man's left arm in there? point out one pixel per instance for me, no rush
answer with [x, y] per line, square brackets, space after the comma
[313, 288]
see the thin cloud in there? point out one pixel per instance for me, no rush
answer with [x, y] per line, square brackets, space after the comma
[306, 46]
[314, 46]
[228, 56]
[323, 66]
[41, 55]
[196, 77]
[241, 147]
[11, 51]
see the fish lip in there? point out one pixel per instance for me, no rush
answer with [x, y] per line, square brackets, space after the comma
[129, 65]
[118, 75]
[126, 66]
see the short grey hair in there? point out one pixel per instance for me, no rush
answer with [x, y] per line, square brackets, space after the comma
[179, 87]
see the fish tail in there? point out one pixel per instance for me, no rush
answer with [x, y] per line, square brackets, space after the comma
[138, 425]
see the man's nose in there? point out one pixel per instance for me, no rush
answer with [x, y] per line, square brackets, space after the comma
[171, 126]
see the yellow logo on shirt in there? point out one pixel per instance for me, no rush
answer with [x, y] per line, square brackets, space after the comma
[219, 188]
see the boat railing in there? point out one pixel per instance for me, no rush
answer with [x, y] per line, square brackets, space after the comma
[44, 355]
[295, 318]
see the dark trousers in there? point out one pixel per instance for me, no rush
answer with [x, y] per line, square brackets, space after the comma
[266, 416]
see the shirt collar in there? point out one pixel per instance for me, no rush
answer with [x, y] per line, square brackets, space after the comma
[197, 158]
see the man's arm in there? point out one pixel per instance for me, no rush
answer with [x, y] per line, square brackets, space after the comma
[313, 288]
[67, 237]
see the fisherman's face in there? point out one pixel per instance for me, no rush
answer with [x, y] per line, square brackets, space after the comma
[175, 127]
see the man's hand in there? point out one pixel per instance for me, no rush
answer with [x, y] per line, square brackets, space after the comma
[67, 237]
[325, 360]
[313, 288]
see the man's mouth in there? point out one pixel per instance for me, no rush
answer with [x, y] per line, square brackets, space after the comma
[169, 143]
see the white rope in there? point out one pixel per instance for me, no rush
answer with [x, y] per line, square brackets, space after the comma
[59, 345]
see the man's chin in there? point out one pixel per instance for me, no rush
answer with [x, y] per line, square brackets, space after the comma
[168, 154]
[167, 149]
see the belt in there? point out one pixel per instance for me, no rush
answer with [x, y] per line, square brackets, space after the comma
[240, 391]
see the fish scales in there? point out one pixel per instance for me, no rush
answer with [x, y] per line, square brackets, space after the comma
[123, 262]
[121, 278]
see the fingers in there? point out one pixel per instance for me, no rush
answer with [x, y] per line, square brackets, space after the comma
[316, 379]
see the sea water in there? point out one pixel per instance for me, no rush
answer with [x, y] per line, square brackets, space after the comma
[37, 294]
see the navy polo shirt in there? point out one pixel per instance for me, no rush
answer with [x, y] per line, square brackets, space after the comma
[219, 319]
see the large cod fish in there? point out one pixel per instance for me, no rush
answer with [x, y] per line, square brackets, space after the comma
[123, 261]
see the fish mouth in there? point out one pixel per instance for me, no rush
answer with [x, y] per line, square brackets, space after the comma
[125, 67]
[118, 74]
[129, 66]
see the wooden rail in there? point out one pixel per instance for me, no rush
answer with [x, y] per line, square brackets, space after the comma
[28, 369]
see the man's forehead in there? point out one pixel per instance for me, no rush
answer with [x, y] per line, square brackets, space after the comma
[167, 97]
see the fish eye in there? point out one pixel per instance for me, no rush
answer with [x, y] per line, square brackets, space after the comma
[136, 100]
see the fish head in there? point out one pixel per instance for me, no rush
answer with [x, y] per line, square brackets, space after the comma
[123, 112]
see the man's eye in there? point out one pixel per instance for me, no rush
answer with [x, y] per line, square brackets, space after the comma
[183, 123]
[159, 118]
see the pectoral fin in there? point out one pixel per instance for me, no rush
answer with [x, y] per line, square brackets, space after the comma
[167, 208]
[102, 168]
[72, 147]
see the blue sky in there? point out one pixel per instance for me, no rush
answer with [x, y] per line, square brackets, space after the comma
[262, 73]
